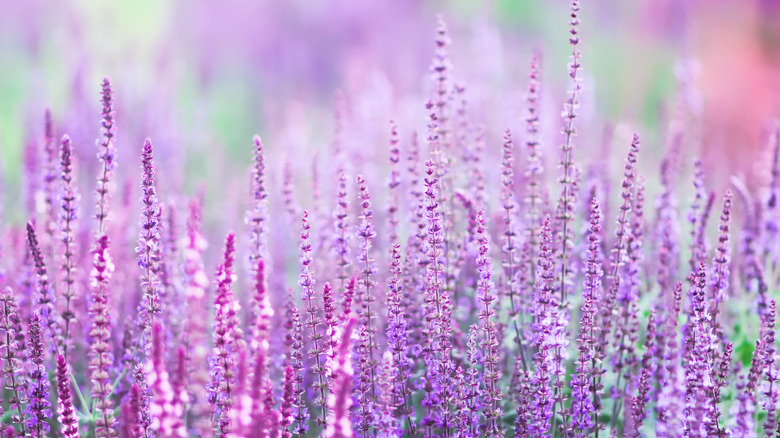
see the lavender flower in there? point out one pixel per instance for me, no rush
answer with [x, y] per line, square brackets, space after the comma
[698, 373]
[165, 412]
[196, 324]
[49, 184]
[671, 398]
[295, 334]
[397, 340]
[471, 387]
[307, 296]
[535, 169]
[771, 374]
[340, 399]
[393, 183]
[744, 409]
[617, 256]
[341, 243]
[569, 114]
[141, 404]
[148, 248]
[260, 414]
[69, 425]
[13, 378]
[524, 410]
[440, 69]
[509, 247]
[227, 339]
[585, 385]
[696, 218]
[640, 403]
[366, 361]
[286, 419]
[68, 226]
[132, 413]
[100, 348]
[720, 275]
[257, 214]
[259, 426]
[38, 409]
[387, 425]
[46, 296]
[106, 155]
[438, 309]
[492, 396]
[547, 336]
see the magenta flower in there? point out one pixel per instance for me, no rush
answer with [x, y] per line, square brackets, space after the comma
[100, 349]
[69, 424]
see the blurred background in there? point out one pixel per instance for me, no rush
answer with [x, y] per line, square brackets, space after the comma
[200, 77]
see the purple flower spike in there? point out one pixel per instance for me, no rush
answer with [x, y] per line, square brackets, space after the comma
[393, 182]
[100, 348]
[640, 403]
[546, 336]
[535, 168]
[288, 399]
[295, 344]
[106, 154]
[49, 181]
[341, 241]
[141, 400]
[720, 276]
[68, 227]
[340, 399]
[397, 342]
[771, 373]
[148, 250]
[38, 409]
[307, 296]
[257, 215]
[440, 68]
[585, 383]
[46, 297]
[509, 248]
[69, 424]
[166, 414]
[196, 325]
[491, 341]
[366, 362]
[567, 163]
[228, 338]
[13, 377]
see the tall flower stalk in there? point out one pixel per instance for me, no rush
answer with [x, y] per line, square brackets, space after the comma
[569, 114]
[586, 390]
[68, 226]
[101, 358]
[46, 298]
[13, 378]
[397, 340]
[38, 411]
[367, 313]
[317, 351]
[148, 249]
[509, 247]
[490, 346]
[534, 170]
[106, 155]
[228, 338]
[69, 424]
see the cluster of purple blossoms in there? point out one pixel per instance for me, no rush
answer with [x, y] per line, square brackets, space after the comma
[444, 313]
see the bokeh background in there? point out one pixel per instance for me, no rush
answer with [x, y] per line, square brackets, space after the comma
[201, 77]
